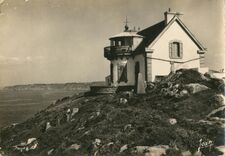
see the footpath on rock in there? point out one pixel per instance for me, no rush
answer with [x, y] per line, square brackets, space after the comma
[181, 115]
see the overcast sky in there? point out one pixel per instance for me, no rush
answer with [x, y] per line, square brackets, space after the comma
[54, 41]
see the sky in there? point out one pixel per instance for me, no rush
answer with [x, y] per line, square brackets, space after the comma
[57, 41]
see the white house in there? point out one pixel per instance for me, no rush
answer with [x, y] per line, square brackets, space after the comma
[154, 52]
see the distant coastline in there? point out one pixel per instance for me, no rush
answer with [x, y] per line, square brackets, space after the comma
[53, 86]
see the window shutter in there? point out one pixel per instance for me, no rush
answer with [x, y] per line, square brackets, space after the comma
[170, 50]
[174, 50]
[181, 50]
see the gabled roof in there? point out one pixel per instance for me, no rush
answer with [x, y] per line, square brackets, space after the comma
[150, 34]
[153, 33]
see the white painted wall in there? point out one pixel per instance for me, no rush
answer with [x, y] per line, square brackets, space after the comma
[130, 69]
[141, 59]
[161, 50]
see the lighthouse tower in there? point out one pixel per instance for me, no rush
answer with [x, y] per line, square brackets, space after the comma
[121, 55]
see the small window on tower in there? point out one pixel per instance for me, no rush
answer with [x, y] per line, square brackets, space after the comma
[123, 42]
[176, 50]
[112, 43]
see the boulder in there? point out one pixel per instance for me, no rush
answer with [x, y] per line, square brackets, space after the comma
[50, 151]
[209, 75]
[123, 148]
[219, 112]
[176, 86]
[185, 76]
[74, 111]
[184, 92]
[34, 146]
[97, 142]
[220, 98]
[98, 113]
[94, 147]
[68, 111]
[186, 153]
[110, 143]
[150, 86]
[48, 125]
[150, 150]
[197, 154]
[221, 149]
[139, 150]
[195, 87]
[30, 140]
[123, 101]
[127, 127]
[157, 150]
[172, 121]
[218, 84]
[20, 147]
[31, 144]
[2, 153]
[74, 147]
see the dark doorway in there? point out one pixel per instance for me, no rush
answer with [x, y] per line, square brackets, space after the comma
[111, 72]
[137, 70]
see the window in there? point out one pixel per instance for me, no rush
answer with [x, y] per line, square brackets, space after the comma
[176, 50]
[129, 41]
[122, 72]
[123, 42]
[112, 43]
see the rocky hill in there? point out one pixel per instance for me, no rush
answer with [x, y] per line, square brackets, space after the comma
[55, 86]
[181, 115]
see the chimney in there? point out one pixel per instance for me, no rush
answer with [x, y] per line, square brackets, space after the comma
[169, 15]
